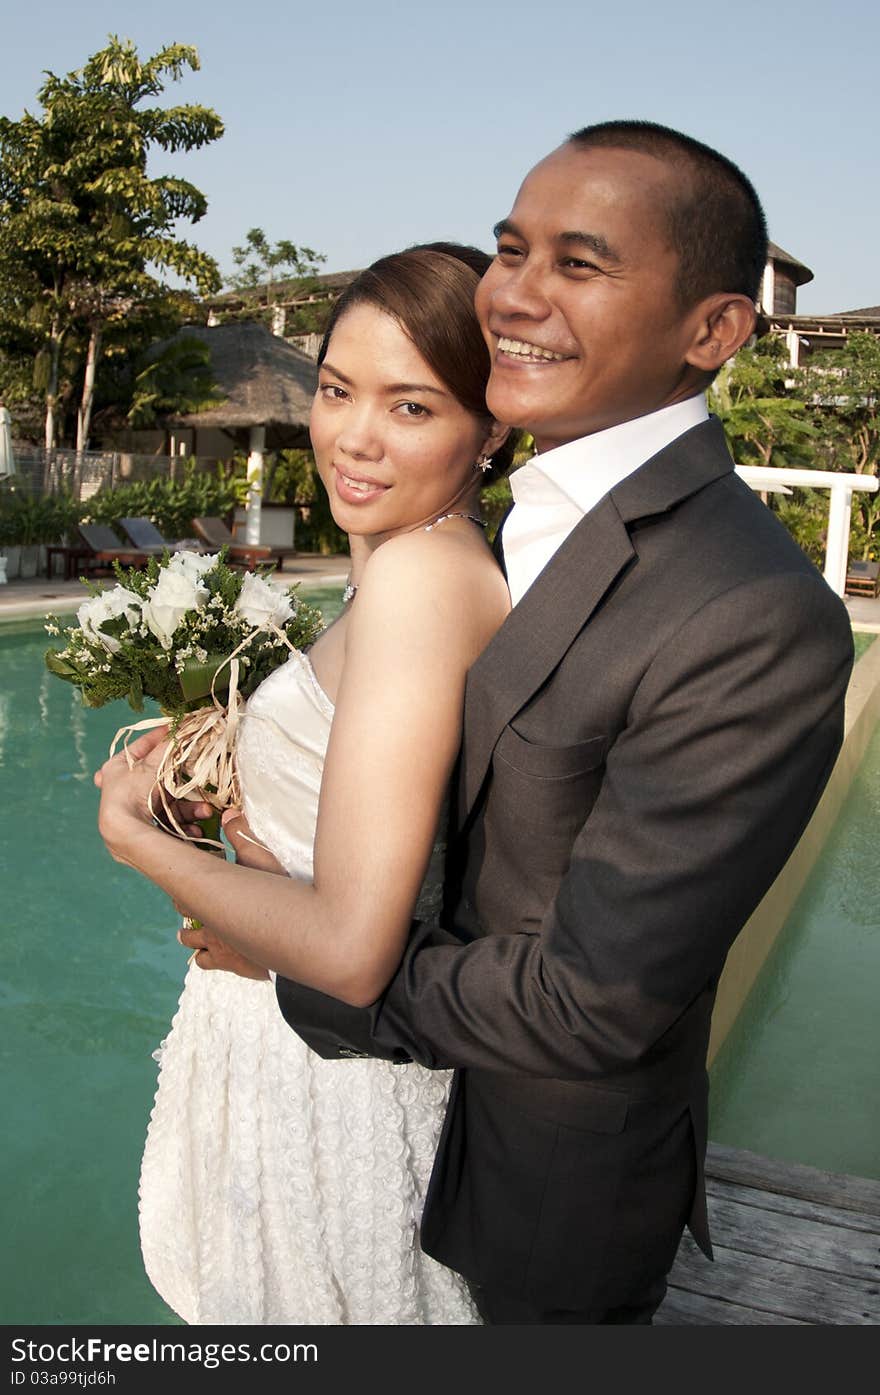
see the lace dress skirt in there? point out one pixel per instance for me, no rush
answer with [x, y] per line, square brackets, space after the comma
[277, 1187]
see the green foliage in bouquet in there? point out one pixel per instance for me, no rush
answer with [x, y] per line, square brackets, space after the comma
[166, 631]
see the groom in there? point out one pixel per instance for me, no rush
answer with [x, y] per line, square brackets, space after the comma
[644, 741]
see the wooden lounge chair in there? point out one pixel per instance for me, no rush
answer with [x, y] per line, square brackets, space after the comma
[144, 535]
[218, 534]
[215, 533]
[863, 579]
[95, 548]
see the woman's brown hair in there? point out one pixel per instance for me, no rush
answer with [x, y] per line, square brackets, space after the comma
[429, 290]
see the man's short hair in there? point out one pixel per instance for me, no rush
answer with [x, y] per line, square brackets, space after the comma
[714, 217]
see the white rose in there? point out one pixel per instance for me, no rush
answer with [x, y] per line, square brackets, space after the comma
[110, 604]
[192, 565]
[168, 602]
[261, 604]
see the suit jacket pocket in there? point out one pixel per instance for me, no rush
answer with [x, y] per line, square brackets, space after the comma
[539, 799]
[544, 762]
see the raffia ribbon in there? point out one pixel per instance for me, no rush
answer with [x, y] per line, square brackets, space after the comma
[199, 760]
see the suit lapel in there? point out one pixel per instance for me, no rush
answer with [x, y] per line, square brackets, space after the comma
[542, 626]
[537, 633]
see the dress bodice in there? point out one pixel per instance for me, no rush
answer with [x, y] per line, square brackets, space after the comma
[281, 748]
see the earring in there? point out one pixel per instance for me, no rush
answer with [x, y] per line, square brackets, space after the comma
[483, 462]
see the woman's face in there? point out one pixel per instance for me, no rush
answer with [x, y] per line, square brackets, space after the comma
[394, 448]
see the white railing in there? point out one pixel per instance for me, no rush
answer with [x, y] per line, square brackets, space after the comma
[839, 508]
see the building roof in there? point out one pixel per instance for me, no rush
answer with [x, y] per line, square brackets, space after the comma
[801, 274]
[265, 382]
[285, 292]
[870, 312]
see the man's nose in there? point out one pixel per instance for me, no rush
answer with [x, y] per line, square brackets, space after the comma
[522, 291]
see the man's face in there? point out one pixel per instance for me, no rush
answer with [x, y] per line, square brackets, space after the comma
[579, 308]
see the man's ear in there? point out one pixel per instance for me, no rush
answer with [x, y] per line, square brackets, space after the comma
[723, 324]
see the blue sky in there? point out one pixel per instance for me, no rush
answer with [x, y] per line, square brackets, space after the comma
[356, 128]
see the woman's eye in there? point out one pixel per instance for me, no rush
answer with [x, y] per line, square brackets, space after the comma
[414, 410]
[332, 392]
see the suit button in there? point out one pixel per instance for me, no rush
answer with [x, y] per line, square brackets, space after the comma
[350, 1051]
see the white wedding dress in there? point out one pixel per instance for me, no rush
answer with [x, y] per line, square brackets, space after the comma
[277, 1187]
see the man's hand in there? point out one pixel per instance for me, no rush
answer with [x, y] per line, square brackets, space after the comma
[213, 953]
[248, 851]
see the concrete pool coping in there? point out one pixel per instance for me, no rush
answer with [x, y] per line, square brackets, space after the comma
[759, 934]
[22, 600]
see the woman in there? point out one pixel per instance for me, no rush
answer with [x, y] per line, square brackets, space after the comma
[276, 1186]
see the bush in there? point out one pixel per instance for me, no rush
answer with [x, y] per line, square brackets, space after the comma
[27, 520]
[171, 504]
[291, 477]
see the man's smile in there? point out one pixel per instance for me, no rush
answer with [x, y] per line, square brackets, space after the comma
[531, 353]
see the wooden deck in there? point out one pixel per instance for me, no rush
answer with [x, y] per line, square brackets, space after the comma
[794, 1246]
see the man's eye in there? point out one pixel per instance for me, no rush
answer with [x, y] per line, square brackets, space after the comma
[578, 264]
[507, 249]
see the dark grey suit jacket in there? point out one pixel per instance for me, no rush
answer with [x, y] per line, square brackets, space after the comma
[644, 740]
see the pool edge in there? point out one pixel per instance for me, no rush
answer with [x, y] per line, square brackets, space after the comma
[759, 934]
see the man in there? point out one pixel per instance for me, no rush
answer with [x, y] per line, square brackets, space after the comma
[644, 741]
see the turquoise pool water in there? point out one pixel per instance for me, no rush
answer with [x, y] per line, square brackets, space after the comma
[91, 972]
[797, 1076]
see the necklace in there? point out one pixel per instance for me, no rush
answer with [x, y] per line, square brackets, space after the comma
[351, 587]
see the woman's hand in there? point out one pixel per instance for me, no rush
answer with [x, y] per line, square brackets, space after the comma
[129, 806]
[124, 815]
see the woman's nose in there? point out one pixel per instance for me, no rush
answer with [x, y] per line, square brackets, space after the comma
[360, 436]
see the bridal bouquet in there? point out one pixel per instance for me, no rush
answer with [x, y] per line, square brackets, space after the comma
[198, 637]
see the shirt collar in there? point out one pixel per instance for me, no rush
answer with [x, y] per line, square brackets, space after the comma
[586, 469]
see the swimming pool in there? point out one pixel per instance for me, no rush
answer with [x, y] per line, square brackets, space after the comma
[90, 980]
[91, 973]
[797, 1076]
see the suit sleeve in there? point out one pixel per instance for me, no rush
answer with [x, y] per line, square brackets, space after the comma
[732, 734]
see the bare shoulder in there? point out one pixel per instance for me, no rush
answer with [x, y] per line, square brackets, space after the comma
[445, 580]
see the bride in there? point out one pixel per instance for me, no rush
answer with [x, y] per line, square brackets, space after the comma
[278, 1187]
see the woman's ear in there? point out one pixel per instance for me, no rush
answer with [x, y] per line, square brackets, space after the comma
[723, 324]
[498, 434]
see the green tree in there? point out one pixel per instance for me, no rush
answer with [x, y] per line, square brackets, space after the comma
[267, 271]
[178, 379]
[844, 387]
[764, 421]
[83, 228]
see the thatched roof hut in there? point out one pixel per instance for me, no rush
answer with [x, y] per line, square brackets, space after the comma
[800, 273]
[264, 380]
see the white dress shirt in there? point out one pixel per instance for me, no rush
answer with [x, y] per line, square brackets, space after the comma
[553, 491]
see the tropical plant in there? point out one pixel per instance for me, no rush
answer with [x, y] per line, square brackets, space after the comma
[171, 504]
[843, 386]
[81, 221]
[266, 272]
[764, 421]
[178, 378]
[27, 520]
